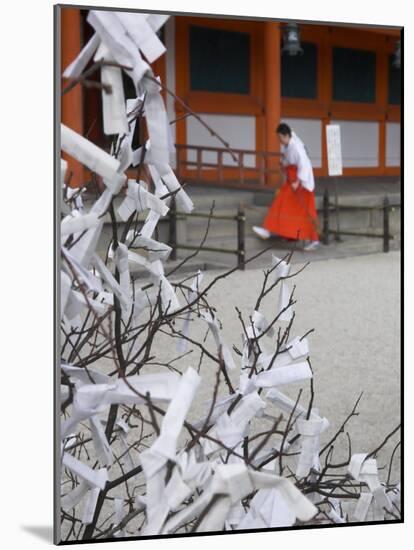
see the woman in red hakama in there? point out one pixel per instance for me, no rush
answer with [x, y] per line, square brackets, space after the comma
[292, 214]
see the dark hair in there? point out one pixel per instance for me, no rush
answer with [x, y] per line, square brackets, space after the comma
[284, 129]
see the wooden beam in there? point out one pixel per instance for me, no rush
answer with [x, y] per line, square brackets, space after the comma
[272, 92]
[71, 107]
[385, 31]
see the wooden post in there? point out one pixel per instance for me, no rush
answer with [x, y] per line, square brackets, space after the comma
[71, 104]
[241, 252]
[241, 167]
[261, 159]
[325, 206]
[272, 94]
[172, 241]
[386, 242]
[178, 161]
[220, 166]
[199, 162]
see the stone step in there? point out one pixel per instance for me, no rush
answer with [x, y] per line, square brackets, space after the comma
[223, 198]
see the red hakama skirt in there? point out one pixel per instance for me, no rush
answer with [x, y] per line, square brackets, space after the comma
[292, 214]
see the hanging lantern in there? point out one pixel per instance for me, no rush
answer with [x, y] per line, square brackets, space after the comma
[291, 40]
[397, 55]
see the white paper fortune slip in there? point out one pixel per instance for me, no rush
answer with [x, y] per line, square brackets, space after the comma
[141, 32]
[85, 375]
[167, 175]
[91, 399]
[268, 508]
[156, 21]
[157, 122]
[165, 447]
[310, 431]
[121, 293]
[90, 505]
[365, 469]
[63, 170]
[362, 507]
[121, 46]
[101, 444]
[166, 444]
[93, 157]
[118, 511]
[221, 345]
[191, 296]
[233, 482]
[154, 250]
[77, 224]
[79, 63]
[122, 264]
[138, 198]
[282, 270]
[280, 376]
[113, 97]
[94, 478]
[72, 499]
[188, 475]
[284, 403]
[258, 326]
[231, 429]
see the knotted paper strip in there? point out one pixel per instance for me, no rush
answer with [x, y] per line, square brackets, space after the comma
[280, 376]
[75, 69]
[282, 270]
[310, 431]
[191, 296]
[141, 32]
[123, 49]
[221, 345]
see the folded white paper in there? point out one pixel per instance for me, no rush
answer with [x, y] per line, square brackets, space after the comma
[90, 505]
[113, 102]
[166, 443]
[167, 175]
[89, 154]
[310, 431]
[191, 296]
[94, 478]
[77, 66]
[101, 444]
[282, 270]
[280, 376]
[78, 224]
[221, 345]
[113, 35]
[141, 32]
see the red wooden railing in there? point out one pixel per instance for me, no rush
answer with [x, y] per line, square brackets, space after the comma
[260, 175]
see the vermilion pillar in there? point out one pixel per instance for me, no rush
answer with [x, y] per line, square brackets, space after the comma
[272, 92]
[71, 106]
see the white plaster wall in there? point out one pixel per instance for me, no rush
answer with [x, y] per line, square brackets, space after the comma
[238, 131]
[360, 142]
[392, 144]
[310, 132]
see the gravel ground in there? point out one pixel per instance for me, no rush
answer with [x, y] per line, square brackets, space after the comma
[354, 306]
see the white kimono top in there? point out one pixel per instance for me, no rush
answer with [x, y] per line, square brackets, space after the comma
[295, 153]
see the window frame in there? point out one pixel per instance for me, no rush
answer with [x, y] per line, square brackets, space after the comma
[219, 102]
[317, 46]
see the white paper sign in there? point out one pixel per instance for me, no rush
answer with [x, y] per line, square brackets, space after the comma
[333, 144]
